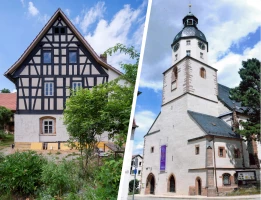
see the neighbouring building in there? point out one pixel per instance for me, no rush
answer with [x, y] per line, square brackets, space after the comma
[59, 58]
[191, 148]
[138, 168]
[8, 100]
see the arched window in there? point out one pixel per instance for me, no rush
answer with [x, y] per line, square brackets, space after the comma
[171, 184]
[202, 72]
[226, 179]
[47, 125]
[174, 78]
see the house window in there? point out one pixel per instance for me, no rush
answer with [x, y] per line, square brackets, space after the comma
[226, 179]
[47, 125]
[188, 42]
[202, 72]
[59, 30]
[197, 149]
[236, 153]
[139, 163]
[132, 163]
[221, 152]
[139, 172]
[76, 85]
[72, 57]
[188, 52]
[47, 57]
[201, 55]
[151, 149]
[174, 77]
[176, 57]
[48, 89]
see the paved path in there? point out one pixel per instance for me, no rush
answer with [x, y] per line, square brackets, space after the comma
[153, 197]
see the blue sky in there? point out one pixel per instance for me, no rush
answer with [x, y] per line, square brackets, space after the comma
[102, 23]
[232, 29]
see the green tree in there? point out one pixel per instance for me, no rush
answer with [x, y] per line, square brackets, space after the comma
[131, 183]
[248, 93]
[5, 90]
[5, 115]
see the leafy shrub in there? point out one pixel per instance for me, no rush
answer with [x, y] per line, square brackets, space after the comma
[136, 186]
[61, 178]
[108, 177]
[20, 173]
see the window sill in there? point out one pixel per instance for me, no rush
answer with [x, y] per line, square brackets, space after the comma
[47, 134]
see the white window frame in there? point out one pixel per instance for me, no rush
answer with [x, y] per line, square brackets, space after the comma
[188, 52]
[201, 55]
[48, 88]
[76, 85]
[188, 42]
[48, 125]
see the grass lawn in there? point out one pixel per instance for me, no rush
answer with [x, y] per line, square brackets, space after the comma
[245, 191]
[7, 142]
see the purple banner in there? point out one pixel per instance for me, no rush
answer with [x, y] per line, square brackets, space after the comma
[163, 158]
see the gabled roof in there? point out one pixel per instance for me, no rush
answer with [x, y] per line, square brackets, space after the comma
[134, 156]
[223, 96]
[38, 38]
[8, 100]
[213, 125]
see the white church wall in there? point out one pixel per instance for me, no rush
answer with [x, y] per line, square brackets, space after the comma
[222, 109]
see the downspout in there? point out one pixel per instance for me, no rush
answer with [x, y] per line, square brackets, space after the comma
[215, 163]
[243, 160]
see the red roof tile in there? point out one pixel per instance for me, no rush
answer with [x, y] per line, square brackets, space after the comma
[8, 100]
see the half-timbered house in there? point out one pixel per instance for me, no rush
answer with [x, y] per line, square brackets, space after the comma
[58, 59]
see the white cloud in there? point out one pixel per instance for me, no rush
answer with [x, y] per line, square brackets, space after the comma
[118, 31]
[32, 9]
[76, 20]
[221, 30]
[13, 91]
[22, 1]
[229, 66]
[92, 15]
[67, 12]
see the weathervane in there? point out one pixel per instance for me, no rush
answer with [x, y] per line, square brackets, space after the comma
[189, 6]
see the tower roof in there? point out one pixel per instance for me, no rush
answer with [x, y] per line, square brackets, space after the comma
[190, 29]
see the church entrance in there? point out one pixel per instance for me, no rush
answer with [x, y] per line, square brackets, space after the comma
[171, 184]
[198, 186]
[150, 184]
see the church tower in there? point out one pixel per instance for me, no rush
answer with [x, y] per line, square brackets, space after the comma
[190, 74]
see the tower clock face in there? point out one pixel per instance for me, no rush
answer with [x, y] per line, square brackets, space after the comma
[201, 45]
[176, 47]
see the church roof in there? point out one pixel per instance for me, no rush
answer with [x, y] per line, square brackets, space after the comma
[213, 125]
[223, 96]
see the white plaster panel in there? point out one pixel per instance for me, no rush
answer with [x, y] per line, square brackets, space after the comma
[94, 70]
[39, 92]
[38, 104]
[63, 23]
[69, 31]
[90, 81]
[60, 82]
[67, 82]
[86, 70]
[67, 92]
[63, 59]
[60, 92]
[75, 69]
[38, 53]
[35, 81]
[51, 104]
[70, 69]
[25, 81]
[56, 23]
[63, 70]
[59, 104]
[56, 69]
[75, 39]
[63, 39]
[21, 104]
[56, 52]
[50, 37]
[63, 51]
[72, 45]
[38, 69]
[37, 59]
[56, 59]
[49, 79]
[32, 70]
[45, 104]
[33, 92]
[56, 38]
[83, 59]
[47, 45]
[44, 69]
[55, 44]
[69, 37]
[99, 80]
[50, 31]
[80, 52]
[25, 71]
